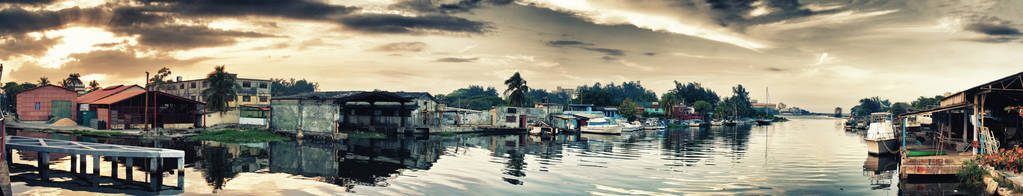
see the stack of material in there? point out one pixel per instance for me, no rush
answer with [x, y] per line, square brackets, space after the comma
[64, 122]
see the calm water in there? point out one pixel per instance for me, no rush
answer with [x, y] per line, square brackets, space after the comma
[803, 156]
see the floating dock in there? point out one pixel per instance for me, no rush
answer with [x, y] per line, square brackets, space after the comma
[114, 153]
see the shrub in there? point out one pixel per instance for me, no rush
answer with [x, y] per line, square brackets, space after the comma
[971, 174]
[1008, 160]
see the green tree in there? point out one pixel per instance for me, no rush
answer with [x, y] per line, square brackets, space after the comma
[474, 97]
[618, 93]
[704, 108]
[516, 91]
[870, 105]
[721, 110]
[160, 77]
[691, 92]
[221, 90]
[668, 102]
[71, 81]
[597, 97]
[899, 108]
[93, 86]
[44, 81]
[10, 90]
[282, 87]
[926, 103]
[628, 109]
[740, 101]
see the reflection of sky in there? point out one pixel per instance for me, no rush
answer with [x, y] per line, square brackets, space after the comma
[796, 157]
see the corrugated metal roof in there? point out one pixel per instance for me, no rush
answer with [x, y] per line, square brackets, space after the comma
[117, 98]
[103, 93]
[347, 94]
[48, 85]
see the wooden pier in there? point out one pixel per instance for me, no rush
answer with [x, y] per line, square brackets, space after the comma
[79, 150]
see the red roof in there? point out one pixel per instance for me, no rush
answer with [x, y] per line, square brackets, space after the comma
[127, 95]
[48, 85]
[103, 93]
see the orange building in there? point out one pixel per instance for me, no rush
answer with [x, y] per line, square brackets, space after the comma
[45, 102]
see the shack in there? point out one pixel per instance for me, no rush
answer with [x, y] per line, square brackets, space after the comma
[516, 117]
[89, 117]
[331, 112]
[46, 102]
[128, 110]
[464, 117]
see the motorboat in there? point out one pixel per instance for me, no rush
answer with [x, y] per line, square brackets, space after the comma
[695, 122]
[627, 126]
[717, 123]
[601, 126]
[653, 124]
[880, 136]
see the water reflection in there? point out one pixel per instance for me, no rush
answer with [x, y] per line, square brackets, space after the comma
[797, 157]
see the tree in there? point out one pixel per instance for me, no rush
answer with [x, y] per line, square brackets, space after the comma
[740, 102]
[870, 105]
[71, 81]
[618, 93]
[282, 87]
[704, 108]
[221, 90]
[474, 97]
[925, 103]
[516, 91]
[10, 90]
[160, 77]
[44, 81]
[691, 92]
[899, 108]
[628, 109]
[94, 86]
[596, 97]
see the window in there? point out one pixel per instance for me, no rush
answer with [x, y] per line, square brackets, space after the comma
[509, 119]
[182, 86]
[192, 85]
[262, 85]
[205, 84]
[263, 98]
[246, 98]
[246, 84]
[37, 105]
[512, 110]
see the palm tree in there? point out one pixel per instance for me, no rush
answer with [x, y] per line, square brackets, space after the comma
[71, 81]
[44, 81]
[93, 86]
[516, 91]
[221, 90]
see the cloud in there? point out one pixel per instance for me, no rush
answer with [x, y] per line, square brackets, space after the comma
[17, 21]
[26, 1]
[559, 43]
[650, 53]
[457, 60]
[401, 46]
[607, 51]
[993, 30]
[112, 63]
[391, 23]
[446, 7]
[295, 9]
[180, 37]
[774, 69]
[12, 47]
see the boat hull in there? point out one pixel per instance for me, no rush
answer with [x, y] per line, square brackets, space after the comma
[879, 147]
[602, 130]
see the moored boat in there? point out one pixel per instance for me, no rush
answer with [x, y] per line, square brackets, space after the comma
[880, 136]
[601, 126]
[653, 124]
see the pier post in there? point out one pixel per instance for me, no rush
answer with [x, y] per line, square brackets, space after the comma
[181, 173]
[113, 168]
[44, 166]
[74, 166]
[154, 174]
[128, 162]
[95, 170]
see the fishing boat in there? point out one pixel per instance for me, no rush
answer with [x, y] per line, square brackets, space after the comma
[653, 124]
[601, 126]
[880, 136]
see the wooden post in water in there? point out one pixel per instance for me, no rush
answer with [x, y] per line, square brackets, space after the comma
[74, 168]
[128, 171]
[154, 174]
[95, 170]
[81, 164]
[113, 168]
[44, 166]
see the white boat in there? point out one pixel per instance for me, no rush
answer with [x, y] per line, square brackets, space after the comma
[652, 124]
[601, 126]
[880, 136]
[627, 126]
[717, 123]
[694, 122]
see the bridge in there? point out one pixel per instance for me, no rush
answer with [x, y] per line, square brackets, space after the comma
[114, 153]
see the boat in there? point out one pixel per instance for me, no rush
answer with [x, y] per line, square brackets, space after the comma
[601, 126]
[730, 123]
[694, 122]
[880, 136]
[717, 123]
[627, 126]
[653, 124]
[763, 122]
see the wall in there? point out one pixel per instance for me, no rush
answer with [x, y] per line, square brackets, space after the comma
[45, 97]
[317, 116]
[254, 91]
[218, 118]
[252, 121]
[499, 116]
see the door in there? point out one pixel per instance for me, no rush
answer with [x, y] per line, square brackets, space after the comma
[522, 121]
[60, 109]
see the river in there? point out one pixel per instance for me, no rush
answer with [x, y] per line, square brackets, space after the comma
[799, 157]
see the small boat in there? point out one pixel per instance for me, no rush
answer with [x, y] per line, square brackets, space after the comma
[694, 122]
[653, 124]
[626, 126]
[601, 126]
[730, 123]
[763, 122]
[717, 123]
[880, 136]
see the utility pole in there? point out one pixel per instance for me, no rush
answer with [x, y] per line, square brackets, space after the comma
[145, 111]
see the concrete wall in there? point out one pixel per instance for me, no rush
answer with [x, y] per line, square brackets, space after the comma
[44, 96]
[500, 116]
[219, 118]
[317, 116]
[252, 121]
[466, 118]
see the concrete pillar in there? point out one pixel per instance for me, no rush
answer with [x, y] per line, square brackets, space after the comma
[74, 162]
[113, 168]
[154, 174]
[95, 170]
[44, 166]
[401, 114]
[128, 168]
[82, 163]
[181, 173]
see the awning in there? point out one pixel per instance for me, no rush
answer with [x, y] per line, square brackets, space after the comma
[938, 109]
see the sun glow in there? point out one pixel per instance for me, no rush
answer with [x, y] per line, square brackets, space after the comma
[76, 40]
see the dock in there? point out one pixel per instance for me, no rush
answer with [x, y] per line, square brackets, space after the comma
[114, 153]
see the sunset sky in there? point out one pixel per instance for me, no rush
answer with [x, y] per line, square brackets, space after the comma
[812, 54]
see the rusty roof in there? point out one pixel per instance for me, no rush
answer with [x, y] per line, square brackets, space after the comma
[103, 93]
[117, 98]
[48, 85]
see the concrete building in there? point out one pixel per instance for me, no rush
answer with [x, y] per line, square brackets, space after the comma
[516, 117]
[46, 102]
[249, 91]
[332, 112]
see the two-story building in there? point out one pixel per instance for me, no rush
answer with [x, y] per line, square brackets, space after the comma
[248, 91]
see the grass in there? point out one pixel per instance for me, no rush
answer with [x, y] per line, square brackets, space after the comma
[98, 133]
[239, 136]
[365, 135]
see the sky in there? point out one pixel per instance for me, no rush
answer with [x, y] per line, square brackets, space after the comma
[813, 54]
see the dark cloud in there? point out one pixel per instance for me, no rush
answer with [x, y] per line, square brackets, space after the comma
[456, 60]
[401, 46]
[27, 1]
[607, 51]
[608, 58]
[25, 46]
[113, 63]
[17, 21]
[446, 7]
[559, 43]
[391, 23]
[180, 37]
[993, 29]
[774, 69]
[297, 9]
[650, 53]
